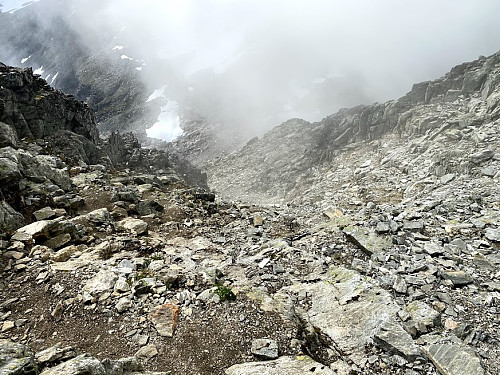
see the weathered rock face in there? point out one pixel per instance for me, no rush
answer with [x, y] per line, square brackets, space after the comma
[44, 133]
[35, 110]
[111, 86]
[287, 156]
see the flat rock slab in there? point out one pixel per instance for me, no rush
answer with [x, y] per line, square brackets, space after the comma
[394, 339]
[31, 231]
[265, 348]
[454, 359]
[285, 365]
[349, 308]
[458, 278]
[493, 234]
[164, 318]
[136, 226]
[82, 364]
[368, 241]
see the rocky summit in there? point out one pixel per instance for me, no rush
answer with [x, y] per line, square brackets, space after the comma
[367, 243]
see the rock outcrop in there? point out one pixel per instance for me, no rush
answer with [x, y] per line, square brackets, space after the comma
[465, 98]
[45, 133]
[383, 260]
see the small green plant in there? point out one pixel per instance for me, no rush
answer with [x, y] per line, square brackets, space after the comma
[225, 293]
[157, 256]
[146, 263]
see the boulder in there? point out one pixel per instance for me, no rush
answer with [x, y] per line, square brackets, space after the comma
[8, 136]
[299, 365]
[394, 339]
[32, 231]
[16, 359]
[164, 318]
[136, 226]
[10, 219]
[349, 309]
[368, 241]
[453, 359]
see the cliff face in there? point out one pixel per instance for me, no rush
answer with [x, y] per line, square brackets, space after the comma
[44, 134]
[36, 110]
[110, 86]
[268, 168]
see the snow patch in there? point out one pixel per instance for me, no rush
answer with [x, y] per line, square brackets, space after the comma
[54, 78]
[118, 48]
[39, 71]
[158, 93]
[125, 57]
[139, 68]
[167, 127]
[14, 5]
[25, 59]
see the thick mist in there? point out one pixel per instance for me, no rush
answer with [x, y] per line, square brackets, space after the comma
[251, 64]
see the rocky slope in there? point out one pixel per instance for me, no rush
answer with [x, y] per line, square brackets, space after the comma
[466, 97]
[384, 259]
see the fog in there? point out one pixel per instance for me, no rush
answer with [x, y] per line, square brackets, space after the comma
[251, 64]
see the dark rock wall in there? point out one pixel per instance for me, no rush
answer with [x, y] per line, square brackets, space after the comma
[35, 110]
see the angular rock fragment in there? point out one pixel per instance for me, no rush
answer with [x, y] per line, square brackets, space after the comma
[136, 226]
[493, 234]
[32, 231]
[482, 156]
[164, 318]
[265, 348]
[423, 316]
[393, 338]
[55, 353]
[458, 278]
[299, 365]
[45, 213]
[368, 241]
[452, 359]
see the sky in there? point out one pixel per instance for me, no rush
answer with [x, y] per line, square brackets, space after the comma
[256, 63]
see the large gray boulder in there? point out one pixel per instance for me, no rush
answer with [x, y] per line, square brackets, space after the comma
[350, 309]
[453, 359]
[8, 136]
[10, 219]
[16, 359]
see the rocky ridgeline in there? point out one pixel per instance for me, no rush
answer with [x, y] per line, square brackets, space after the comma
[270, 167]
[47, 136]
[383, 260]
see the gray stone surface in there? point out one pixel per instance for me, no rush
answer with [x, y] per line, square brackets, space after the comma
[493, 234]
[136, 226]
[265, 348]
[368, 241]
[349, 309]
[16, 359]
[458, 278]
[452, 359]
[394, 339]
[10, 219]
[299, 365]
[423, 316]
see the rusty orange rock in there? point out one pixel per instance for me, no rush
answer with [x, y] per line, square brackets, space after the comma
[164, 318]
